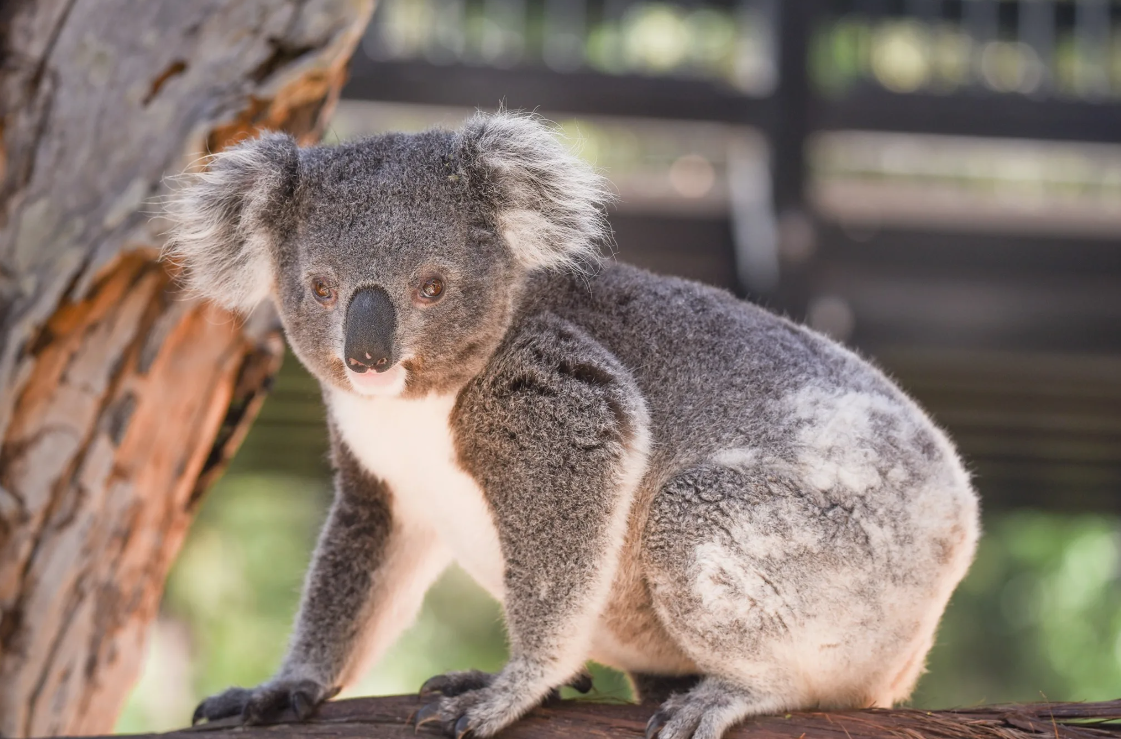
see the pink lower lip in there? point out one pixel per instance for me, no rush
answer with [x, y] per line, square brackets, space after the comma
[376, 380]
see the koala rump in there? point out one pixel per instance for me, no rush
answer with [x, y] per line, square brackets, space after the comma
[740, 513]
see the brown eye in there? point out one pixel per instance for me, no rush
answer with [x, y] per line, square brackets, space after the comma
[324, 293]
[432, 288]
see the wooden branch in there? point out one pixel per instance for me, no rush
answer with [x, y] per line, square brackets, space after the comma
[387, 718]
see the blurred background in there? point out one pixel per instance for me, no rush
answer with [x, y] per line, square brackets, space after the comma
[936, 183]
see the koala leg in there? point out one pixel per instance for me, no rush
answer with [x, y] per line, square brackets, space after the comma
[366, 583]
[724, 621]
[556, 436]
[789, 597]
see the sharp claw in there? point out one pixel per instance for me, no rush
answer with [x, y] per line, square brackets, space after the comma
[426, 714]
[251, 716]
[431, 686]
[462, 727]
[654, 725]
[302, 706]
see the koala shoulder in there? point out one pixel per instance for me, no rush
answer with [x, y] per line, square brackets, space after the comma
[550, 391]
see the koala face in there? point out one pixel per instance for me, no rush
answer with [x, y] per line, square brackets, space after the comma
[395, 262]
[393, 273]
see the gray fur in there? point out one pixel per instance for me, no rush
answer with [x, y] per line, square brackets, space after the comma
[521, 407]
[228, 218]
[644, 470]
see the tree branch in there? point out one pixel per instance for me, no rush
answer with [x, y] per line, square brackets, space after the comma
[387, 718]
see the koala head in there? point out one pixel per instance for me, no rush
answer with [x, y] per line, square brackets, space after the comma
[395, 262]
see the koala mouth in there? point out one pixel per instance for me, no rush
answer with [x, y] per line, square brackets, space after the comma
[388, 383]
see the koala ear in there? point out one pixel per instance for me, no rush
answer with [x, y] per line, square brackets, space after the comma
[549, 203]
[228, 218]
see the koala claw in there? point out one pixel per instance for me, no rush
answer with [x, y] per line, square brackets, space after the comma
[655, 724]
[450, 714]
[228, 703]
[462, 728]
[427, 714]
[266, 703]
[452, 684]
[302, 705]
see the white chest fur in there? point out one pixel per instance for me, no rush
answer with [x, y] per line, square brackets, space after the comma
[408, 445]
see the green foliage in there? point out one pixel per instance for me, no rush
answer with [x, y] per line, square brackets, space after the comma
[237, 580]
[1038, 617]
[232, 592]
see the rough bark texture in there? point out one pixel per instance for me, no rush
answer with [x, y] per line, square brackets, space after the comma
[387, 718]
[119, 398]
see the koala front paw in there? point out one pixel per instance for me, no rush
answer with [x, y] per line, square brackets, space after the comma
[451, 684]
[707, 711]
[266, 703]
[453, 714]
[473, 705]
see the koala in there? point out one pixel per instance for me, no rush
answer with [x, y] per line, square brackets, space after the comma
[741, 514]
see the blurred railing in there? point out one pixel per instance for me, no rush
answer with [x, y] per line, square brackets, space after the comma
[993, 51]
[1038, 48]
[1042, 70]
[936, 182]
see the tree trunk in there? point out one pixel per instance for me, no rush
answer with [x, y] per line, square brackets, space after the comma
[120, 399]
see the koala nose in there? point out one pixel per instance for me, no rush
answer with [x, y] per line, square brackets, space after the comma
[371, 322]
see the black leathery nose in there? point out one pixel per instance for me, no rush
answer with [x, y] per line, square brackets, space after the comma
[371, 322]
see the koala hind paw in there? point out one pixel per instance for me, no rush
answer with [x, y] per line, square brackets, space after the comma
[266, 703]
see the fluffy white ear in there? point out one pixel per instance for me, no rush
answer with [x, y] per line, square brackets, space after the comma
[549, 202]
[227, 219]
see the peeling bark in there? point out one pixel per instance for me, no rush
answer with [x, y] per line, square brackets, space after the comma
[121, 399]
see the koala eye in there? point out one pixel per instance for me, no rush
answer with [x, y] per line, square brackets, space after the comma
[431, 289]
[323, 291]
